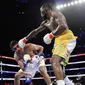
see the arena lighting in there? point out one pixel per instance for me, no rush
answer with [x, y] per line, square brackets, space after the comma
[70, 4]
[65, 5]
[61, 6]
[75, 2]
[80, 1]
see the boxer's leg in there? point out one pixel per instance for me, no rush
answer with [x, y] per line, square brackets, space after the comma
[45, 75]
[18, 75]
[43, 71]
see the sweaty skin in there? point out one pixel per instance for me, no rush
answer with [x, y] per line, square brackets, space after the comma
[56, 23]
[30, 49]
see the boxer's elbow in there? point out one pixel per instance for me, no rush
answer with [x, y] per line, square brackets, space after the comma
[61, 28]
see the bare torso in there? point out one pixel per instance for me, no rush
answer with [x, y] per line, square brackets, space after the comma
[56, 19]
[28, 49]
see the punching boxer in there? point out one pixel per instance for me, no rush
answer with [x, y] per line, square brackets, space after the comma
[65, 40]
[30, 60]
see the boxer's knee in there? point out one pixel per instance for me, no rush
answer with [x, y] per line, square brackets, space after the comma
[43, 70]
[17, 76]
[55, 61]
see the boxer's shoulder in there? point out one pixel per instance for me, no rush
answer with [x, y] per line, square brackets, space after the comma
[28, 44]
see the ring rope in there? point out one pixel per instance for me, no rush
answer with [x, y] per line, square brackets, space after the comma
[3, 64]
[11, 72]
[80, 75]
[82, 68]
[79, 62]
[83, 54]
[7, 57]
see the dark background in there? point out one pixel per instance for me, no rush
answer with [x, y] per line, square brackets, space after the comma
[19, 17]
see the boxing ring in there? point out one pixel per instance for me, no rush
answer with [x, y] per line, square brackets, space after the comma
[50, 71]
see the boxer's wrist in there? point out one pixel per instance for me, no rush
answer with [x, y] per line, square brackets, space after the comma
[40, 54]
[24, 40]
[48, 38]
[51, 35]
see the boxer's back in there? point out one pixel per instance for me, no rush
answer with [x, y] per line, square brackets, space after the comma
[30, 49]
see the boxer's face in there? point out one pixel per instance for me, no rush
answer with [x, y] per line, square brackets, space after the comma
[45, 13]
[16, 48]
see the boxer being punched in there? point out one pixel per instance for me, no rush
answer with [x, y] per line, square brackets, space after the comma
[30, 60]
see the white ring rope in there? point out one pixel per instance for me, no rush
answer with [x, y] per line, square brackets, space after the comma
[79, 62]
[81, 75]
[8, 72]
[75, 69]
[48, 71]
[3, 64]
[82, 54]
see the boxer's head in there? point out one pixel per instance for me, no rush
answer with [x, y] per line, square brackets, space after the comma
[46, 11]
[14, 46]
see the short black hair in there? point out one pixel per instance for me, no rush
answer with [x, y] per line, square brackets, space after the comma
[12, 43]
[48, 6]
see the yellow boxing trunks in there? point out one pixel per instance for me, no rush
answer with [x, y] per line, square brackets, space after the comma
[64, 44]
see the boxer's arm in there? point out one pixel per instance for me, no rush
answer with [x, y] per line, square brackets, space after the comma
[62, 25]
[34, 32]
[39, 48]
[16, 57]
[20, 62]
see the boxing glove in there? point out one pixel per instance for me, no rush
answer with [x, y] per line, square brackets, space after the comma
[26, 58]
[22, 42]
[48, 38]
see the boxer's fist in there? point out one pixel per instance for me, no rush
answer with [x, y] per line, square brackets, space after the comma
[27, 57]
[22, 42]
[48, 38]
